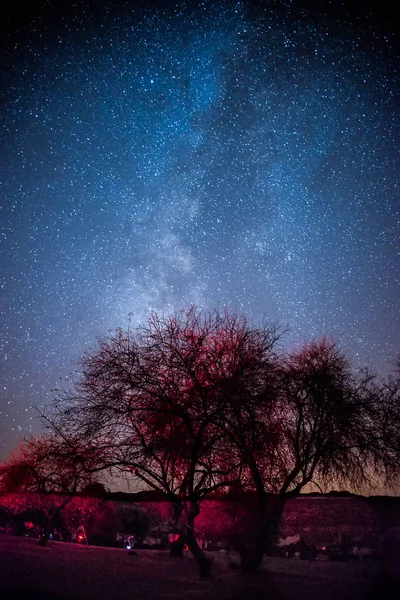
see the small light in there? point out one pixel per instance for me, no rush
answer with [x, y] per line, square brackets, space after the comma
[128, 547]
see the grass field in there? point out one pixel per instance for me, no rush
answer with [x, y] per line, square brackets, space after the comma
[69, 571]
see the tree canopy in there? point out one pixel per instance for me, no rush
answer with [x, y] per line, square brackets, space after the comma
[197, 402]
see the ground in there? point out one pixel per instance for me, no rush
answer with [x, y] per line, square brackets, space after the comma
[62, 571]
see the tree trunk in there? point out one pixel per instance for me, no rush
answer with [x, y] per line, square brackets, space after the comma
[177, 545]
[253, 552]
[50, 520]
[47, 530]
[202, 560]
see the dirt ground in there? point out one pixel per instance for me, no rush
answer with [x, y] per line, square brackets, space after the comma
[64, 571]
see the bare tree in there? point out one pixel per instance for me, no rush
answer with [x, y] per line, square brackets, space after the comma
[347, 426]
[150, 403]
[319, 422]
[384, 416]
[42, 466]
[194, 403]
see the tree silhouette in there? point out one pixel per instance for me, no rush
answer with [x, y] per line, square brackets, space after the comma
[150, 403]
[324, 425]
[43, 465]
[198, 402]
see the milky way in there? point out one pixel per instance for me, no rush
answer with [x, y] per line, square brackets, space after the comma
[231, 154]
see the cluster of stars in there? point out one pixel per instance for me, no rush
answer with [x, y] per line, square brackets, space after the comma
[240, 154]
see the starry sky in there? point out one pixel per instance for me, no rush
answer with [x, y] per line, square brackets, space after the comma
[155, 155]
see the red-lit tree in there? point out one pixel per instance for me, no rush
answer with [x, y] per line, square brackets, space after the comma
[42, 466]
[197, 402]
[151, 404]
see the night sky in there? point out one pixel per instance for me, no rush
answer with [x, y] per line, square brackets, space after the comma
[237, 154]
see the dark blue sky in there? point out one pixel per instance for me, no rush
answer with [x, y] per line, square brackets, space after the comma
[153, 156]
